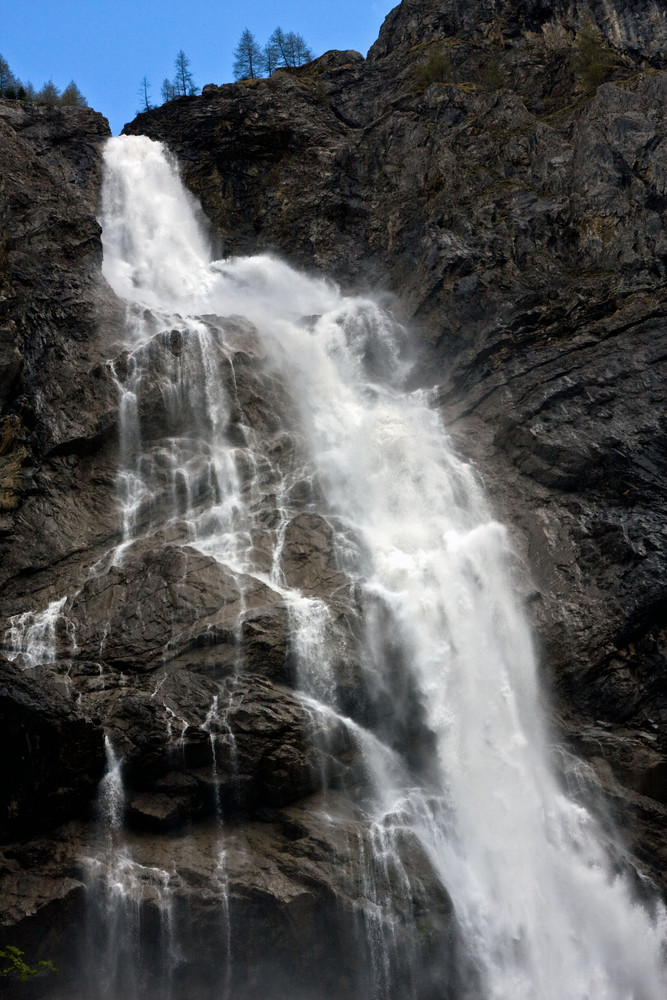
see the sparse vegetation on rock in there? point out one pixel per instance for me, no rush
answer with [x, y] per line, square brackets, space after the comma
[15, 966]
[283, 49]
[436, 69]
[595, 60]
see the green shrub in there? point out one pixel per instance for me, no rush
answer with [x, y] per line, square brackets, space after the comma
[436, 69]
[492, 74]
[595, 60]
[14, 964]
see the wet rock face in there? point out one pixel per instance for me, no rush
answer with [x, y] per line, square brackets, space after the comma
[500, 167]
[286, 877]
[509, 189]
[127, 643]
[54, 754]
[57, 408]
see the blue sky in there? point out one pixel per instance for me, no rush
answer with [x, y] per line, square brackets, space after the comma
[107, 47]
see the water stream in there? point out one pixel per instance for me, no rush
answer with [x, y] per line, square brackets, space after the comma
[543, 912]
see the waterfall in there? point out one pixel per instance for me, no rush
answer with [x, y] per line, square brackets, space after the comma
[118, 890]
[542, 911]
[31, 638]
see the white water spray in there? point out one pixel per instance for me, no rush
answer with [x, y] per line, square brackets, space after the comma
[31, 638]
[543, 914]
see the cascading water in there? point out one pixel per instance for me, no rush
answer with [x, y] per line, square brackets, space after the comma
[31, 637]
[117, 884]
[542, 914]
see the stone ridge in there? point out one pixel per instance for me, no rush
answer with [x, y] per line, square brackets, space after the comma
[638, 26]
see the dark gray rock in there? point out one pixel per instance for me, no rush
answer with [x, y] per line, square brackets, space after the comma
[59, 403]
[160, 603]
[286, 901]
[53, 756]
[308, 559]
[502, 168]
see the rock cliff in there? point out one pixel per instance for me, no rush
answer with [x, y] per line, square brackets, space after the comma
[500, 168]
[498, 173]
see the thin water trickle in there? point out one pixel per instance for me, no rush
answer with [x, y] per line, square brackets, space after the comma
[118, 888]
[543, 913]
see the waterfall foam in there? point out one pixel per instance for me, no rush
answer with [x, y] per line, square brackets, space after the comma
[31, 638]
[544, 914]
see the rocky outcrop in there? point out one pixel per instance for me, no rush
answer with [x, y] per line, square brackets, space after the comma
[636, 27]
[56, 406]
[498, 174]
[58, 401]
[285, 879]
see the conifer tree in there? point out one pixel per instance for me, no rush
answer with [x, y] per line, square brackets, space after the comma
[279, 42]
[72, 97]
[292, 48]
[248, 61]
[270, 58]
[296, 47]
[8, 82]
[144, 95]
[49, 94]
[167, 90]
[184, 84]
[14, 89]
